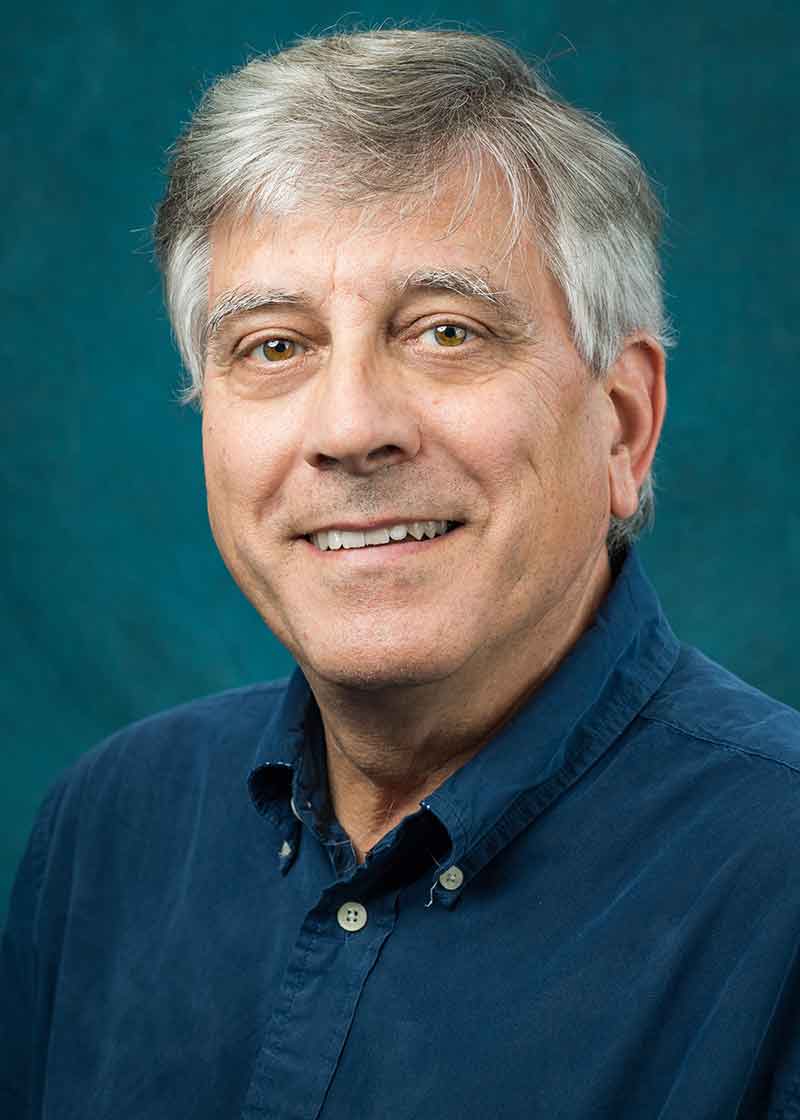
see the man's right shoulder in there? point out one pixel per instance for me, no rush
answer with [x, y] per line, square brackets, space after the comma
[206, 720]
[213, 737]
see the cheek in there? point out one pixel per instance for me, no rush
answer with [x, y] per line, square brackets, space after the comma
[504, 440]
[243, 456]
[533, 443]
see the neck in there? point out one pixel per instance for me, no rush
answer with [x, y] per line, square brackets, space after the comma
[382, 761]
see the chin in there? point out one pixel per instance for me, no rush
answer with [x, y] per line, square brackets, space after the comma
[370, 671]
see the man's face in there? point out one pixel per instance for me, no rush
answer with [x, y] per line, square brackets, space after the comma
[370, 393]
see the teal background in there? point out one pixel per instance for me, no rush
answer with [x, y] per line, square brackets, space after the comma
[116, 603]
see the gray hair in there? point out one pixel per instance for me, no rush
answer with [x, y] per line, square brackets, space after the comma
[353, 118]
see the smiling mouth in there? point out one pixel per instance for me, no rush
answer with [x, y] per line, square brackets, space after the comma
[332, 539]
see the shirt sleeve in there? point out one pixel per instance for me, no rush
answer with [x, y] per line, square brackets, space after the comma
[19, 981]
[774, 1090]
[784, 1097]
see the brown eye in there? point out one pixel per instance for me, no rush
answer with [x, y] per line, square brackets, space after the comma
[449, 334]
[278, 349]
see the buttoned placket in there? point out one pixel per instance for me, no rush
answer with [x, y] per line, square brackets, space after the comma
[338, 945]
[339, 941]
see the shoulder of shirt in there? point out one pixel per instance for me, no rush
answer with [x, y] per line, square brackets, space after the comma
[702, 701]
[252, 703]
[206, 743]
[223, 727]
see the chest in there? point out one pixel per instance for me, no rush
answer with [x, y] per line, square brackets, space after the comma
[547, 990]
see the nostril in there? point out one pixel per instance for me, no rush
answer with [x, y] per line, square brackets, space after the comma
[366, 462]
[385, 451]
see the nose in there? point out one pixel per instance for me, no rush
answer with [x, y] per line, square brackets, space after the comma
[360, 419]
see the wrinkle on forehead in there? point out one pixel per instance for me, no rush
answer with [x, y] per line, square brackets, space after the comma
[479, 242]
[436, 216]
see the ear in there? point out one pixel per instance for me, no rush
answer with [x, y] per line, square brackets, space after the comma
[637, 392]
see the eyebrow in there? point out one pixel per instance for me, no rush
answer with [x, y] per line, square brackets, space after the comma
[469, 283]
[236, 302]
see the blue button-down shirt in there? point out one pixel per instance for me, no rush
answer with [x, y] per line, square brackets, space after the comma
[597, 916]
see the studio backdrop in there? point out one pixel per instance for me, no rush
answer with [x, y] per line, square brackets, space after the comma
[115, 601]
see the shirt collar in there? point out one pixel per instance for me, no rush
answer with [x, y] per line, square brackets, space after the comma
[566, 725]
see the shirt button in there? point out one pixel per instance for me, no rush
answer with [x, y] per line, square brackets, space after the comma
[452, 878]
[351, 916]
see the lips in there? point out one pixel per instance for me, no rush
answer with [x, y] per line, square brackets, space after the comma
[336, 538]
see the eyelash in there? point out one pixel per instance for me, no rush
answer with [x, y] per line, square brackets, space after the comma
[250, 351]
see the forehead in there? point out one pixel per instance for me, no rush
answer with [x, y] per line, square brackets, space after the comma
[365, 253]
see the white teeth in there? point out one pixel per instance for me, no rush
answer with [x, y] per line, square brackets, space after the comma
[346, 538]
[377, 536]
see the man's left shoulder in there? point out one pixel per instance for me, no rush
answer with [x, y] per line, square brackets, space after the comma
[703, 700]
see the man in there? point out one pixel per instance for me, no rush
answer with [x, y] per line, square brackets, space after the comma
[501, 846]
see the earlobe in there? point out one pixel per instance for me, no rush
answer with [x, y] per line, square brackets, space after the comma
[637, 391]
[623, 485]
